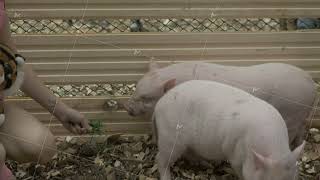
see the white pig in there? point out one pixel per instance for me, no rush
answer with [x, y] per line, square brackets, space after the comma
[289, 89]
[220, 122]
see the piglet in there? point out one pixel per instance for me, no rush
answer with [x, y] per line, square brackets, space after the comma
[219, 122]
[288, 88]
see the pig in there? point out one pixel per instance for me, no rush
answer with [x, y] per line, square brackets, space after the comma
[220, 122]
[289, 89]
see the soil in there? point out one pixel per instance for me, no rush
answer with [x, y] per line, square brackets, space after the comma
[124, 157]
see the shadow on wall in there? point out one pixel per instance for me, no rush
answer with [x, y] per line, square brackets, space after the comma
[308, 23]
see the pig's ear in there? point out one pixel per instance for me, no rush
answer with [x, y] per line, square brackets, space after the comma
[296, 153]
[260, 161]
[169, 85]
[153, 65]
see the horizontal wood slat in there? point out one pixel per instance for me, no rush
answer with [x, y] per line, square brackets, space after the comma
[124, 57]
[109, 128]
[110, 78]
[93, 108]
[150, 38]
[104, 116]
[89, 103]
[40, 9]
[142, 64]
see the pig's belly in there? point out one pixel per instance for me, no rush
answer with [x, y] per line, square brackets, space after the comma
[208, 151]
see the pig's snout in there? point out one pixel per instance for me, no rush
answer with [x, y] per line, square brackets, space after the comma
[130, 111]
[133, 108]
[127, 106]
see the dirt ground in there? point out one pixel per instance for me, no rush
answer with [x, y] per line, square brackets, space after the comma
[119, 157]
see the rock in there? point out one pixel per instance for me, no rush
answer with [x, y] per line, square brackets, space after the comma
[68, 139]
[307, 166]
[314, 130]
[54, 88]
[311, 170]
[131, 85]
[317, 138]
[304, 159]
[67, 87]
[107, 87]
[117, 163]
[89, 92]
[20, 174]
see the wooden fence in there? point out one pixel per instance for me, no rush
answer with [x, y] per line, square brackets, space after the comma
[123, 57]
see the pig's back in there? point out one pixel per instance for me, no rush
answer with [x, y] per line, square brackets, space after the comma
[215, 117]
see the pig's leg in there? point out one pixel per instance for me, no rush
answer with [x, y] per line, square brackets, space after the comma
[191, 157]
[297, 127]
[168, 153]
[297, 140]
[238, 169]
[238, 172]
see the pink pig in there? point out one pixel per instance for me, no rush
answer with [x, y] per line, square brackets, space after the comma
[219, 122]
[289, 89]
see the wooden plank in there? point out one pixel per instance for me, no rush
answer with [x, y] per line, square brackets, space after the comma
[176, 3]
[158, 52]
[120, 62]
[141, 66]
[108, 117]
[89, 103]
[109, 78]
[161, 9]
[103, 116]
[89, 78]
[93, 109]
[98, 71]
[109, 128]
[125, 40]
[124, 57]
[127, 128]
[93, 106]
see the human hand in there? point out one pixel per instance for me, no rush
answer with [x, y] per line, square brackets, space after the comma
[74, 121]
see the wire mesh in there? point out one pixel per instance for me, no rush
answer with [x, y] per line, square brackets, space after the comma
[72, 26]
